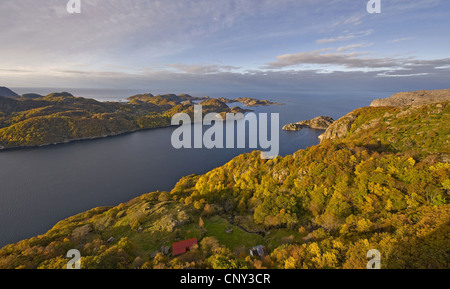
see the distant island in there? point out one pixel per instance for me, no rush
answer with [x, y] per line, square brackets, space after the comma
[36, 120]
[379, 179]
[249, 102]
[6, 92]
[319, 123]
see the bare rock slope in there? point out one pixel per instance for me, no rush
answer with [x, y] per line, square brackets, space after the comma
[414, 98]
[407, 100]
[340, 128]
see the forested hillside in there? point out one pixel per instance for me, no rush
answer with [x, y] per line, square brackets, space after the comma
[34, 120]
[380, 180]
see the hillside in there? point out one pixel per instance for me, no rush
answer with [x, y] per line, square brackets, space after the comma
[35, 120]
[61, 117]
[420, 130]
[6, 92]
[383, 184]
[414, 98]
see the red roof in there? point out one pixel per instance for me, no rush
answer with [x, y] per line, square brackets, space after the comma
[184, 246]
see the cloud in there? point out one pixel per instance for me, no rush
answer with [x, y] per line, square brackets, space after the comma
[356, 61]
[138, 32]
[116, 25]
[346, 37]
[353, 46]
[200, 43]
[391, 74]
[348, 60]
[401, 39]
[406, 5]
[257, 81]
[202, 69]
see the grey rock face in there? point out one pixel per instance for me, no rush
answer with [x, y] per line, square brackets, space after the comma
[414, 98]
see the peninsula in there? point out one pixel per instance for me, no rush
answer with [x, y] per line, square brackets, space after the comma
[34, 120]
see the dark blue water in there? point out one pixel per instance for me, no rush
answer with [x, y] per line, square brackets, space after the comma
[41, 186]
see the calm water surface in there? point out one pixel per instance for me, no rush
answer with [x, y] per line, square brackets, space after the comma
[41, 186]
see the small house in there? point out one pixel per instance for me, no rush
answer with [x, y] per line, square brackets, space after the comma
[183, 246]
[258, 251]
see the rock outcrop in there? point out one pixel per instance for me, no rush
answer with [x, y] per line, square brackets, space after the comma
[321, 123]
[414, 98]
[340, 128]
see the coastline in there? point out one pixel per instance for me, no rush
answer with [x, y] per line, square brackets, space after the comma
[136, 104]
[79, 139]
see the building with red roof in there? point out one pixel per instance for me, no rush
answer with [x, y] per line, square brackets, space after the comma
[183, 247]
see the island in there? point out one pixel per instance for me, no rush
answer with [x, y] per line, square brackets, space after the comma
[319, 123]
[34, 120]
[248, 101]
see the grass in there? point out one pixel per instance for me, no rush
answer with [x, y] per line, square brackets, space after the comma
[216, 227]
[283, 236]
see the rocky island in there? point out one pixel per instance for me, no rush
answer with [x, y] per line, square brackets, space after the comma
[35, 120]
[248, 101]
[320, 123]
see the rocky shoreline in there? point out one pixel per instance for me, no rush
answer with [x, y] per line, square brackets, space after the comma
[319, 123]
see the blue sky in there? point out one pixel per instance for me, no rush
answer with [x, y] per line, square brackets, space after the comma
[226, 45]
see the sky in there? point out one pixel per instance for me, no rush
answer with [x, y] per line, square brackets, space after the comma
[226, 45]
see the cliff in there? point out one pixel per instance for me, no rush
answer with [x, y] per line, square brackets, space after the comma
[340, 128]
